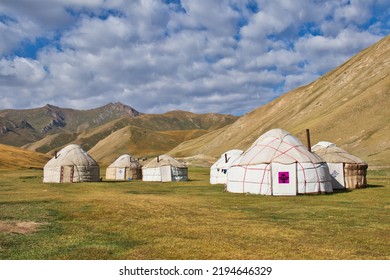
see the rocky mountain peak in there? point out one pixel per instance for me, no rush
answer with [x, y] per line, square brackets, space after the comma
[119, 107]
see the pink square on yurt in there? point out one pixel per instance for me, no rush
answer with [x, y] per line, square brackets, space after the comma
[284, 177]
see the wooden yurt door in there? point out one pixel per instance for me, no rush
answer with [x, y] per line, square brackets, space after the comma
[67, 173]
[284, 179]
[120, 174]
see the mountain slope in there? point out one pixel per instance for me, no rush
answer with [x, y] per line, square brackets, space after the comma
[348, 106]
[150, 134]
[161, 133]
[13, 157]
[139, 142]
[20, 127]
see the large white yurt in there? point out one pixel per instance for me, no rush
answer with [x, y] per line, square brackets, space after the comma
[164, 168]
[124, 167]
[347, 171]
[218, 171]
[71, 164]
[278, 163]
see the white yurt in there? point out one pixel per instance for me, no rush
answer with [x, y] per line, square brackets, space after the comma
[124, 167]
[71, 164]
[278, 163]
[164, 168]
[347, 171]
[218, 171]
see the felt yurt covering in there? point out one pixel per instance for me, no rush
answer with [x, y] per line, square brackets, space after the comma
[346, 170]
[71, 164]
[218, 171]
[278, 163]
[164, 168]
[124, 167]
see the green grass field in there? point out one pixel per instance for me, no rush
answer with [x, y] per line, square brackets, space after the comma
[187, 220]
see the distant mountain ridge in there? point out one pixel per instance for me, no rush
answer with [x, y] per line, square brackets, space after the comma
[20, 127]
[50, 128]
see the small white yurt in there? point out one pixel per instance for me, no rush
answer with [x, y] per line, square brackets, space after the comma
[124, 167]
[278, 163]
[71, 164]
[164, 168]
[218, 171]
[347, 171]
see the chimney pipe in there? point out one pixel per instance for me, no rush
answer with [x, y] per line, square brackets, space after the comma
[55, 154]
[226, 159]
[308, 140]
[158, 158]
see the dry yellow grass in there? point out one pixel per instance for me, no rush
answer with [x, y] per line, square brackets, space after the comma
[20, 227]
[13, 157]
[189, 220]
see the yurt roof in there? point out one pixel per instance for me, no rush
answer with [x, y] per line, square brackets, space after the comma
[231, 156]
[125, 161]
[71, 155]
[278, 145]
[232, 152]
[164, 160]
[330, 152]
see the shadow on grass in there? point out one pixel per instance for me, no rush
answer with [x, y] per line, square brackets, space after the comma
[120, 181]
[369, 186]
[342, 191]
[134, 181]
[29, 177]
[374, 186]
[145, 192]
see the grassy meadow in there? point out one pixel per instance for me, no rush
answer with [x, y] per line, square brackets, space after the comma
[187, 220]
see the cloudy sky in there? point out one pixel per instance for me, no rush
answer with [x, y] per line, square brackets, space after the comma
[223, 56]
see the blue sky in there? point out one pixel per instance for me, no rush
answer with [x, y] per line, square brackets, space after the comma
[226, 56]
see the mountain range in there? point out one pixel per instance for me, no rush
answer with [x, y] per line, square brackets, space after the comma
[348, 106]
[115, 127]
[20, 127]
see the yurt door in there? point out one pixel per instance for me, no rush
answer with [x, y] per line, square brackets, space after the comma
[166, 175]
[336, 171]
[120, 174]
[67, 173]
[284, 179]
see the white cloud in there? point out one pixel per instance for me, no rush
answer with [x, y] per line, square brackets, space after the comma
[324, 53]
[217, 17]
[13, 33]
[21, 71]
[201, 56]
[357, 11]
[48, 14]
[283, 60]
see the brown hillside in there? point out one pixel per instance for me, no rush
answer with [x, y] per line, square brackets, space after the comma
[347, 106]
[139, 142]
[192, 125]
[182, 120]
[15, 158]
[21, 127]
